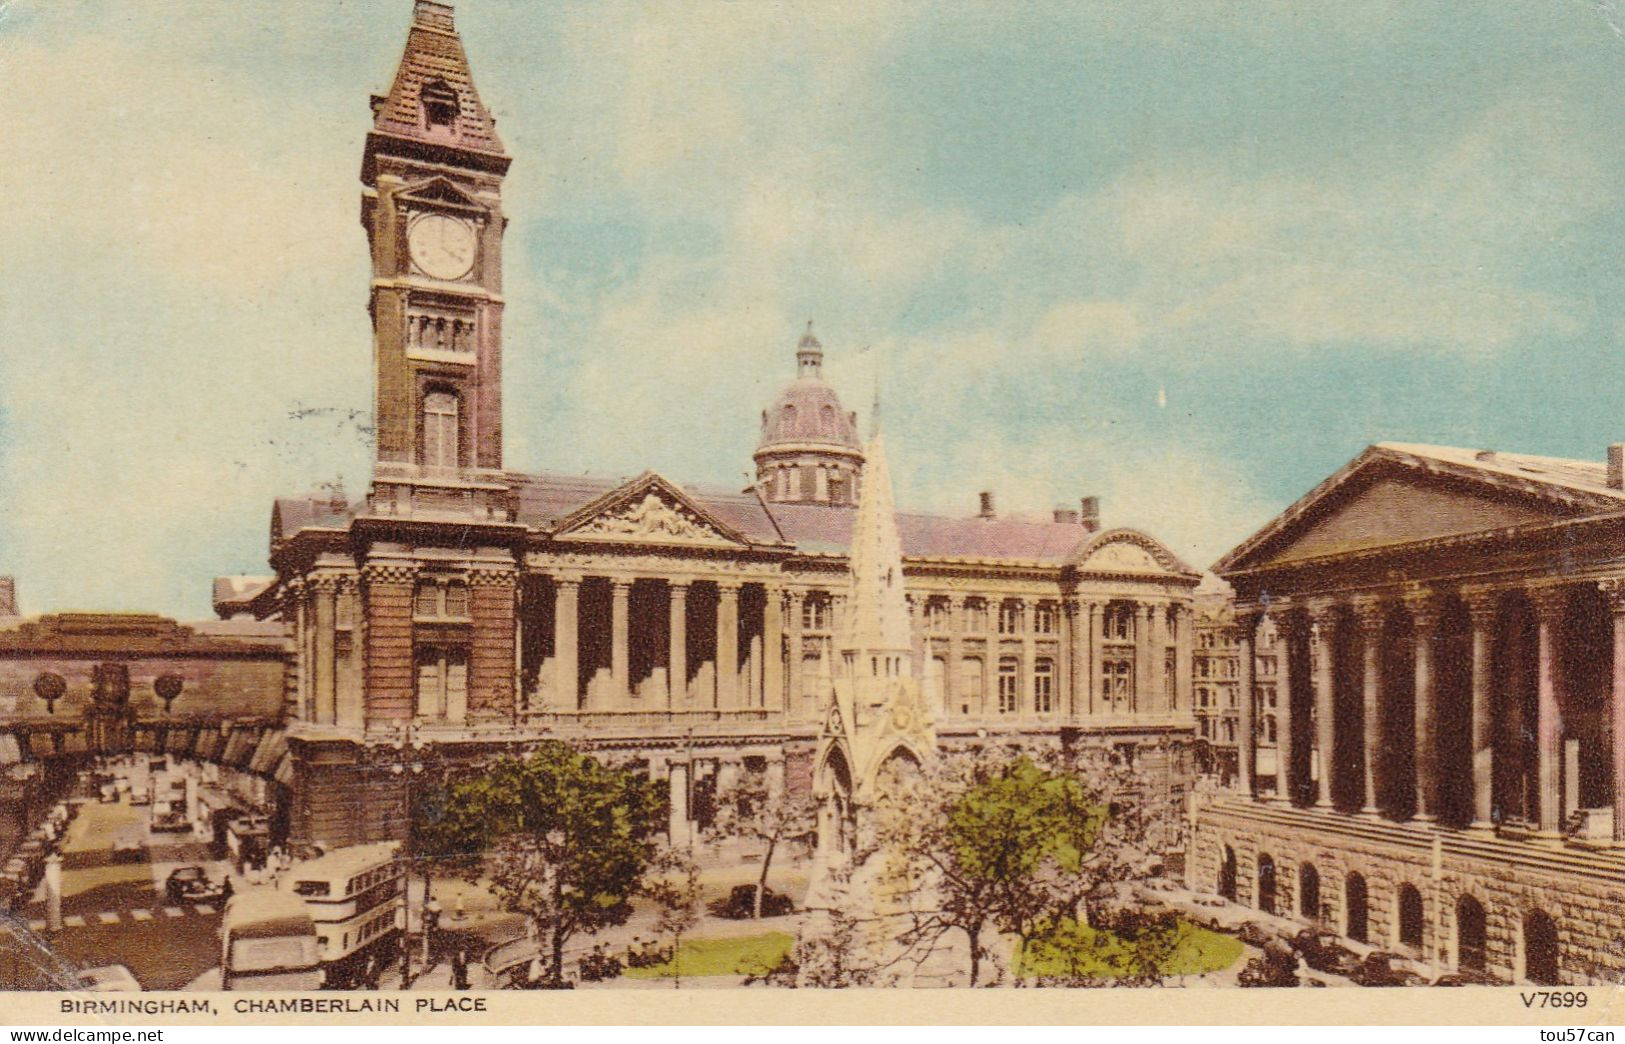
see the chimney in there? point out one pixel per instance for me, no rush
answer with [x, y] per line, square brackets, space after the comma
[1089, 513]
[1616, 466]
[987, 505]
[1066, 515]
[8, 596]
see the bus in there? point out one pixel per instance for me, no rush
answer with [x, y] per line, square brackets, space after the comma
[268, 942]
[353, 895]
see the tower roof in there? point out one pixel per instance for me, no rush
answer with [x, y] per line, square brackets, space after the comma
[432, 104]
[877, 616]
[808, 410]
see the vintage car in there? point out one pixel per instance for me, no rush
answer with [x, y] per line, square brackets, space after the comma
[191, 884]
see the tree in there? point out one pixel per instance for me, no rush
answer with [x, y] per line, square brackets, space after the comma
[564, 839]
[674, 887]
[771, 816]
[1010, 845]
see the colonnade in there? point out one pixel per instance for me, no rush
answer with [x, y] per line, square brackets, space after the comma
[1477, 704]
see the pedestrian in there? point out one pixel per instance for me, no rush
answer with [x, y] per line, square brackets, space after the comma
[459, 969]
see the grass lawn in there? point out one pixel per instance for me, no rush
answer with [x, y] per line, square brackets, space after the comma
[1078, 949]
[744, 955]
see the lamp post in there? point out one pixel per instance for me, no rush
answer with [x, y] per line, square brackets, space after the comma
[405, 758]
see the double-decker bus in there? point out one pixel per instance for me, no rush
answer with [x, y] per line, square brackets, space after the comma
[353, 895]
[268, 942]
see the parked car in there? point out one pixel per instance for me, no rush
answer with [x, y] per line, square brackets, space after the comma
[1378, 969]
[111, 978]
[1468, 977]
[741, 902]
[170, 822]
[191, 884]
[1323, 952]
[1278, 967]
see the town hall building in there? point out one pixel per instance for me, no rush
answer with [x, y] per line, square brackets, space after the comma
[462, 609]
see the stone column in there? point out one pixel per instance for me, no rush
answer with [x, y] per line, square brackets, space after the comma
[794, 666]
[1424, 611]
[1091, 616]
[677, 829]
[566, 642]
[1613, 589]
[677, 645]
[325, 701]
[1324, 621]
[1482, 604]
[1370, 612]
[1549, 603]
[1145, 700]
[773, 690]
[727, 644]
[620, 640]
[950, 671]
[1286, 742]
[1026, 705]
[1246, 738]
[53, 892]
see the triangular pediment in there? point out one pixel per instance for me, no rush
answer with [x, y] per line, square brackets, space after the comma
[1120, 551]
[440, 193]
[1384, 498]
[649, 510]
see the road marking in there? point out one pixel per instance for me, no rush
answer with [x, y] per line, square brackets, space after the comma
[74, 921]
[36, 926]
[141, 915]
[174, 911]
[107, 917]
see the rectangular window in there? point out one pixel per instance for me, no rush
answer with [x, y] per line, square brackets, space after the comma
[457, 600]
[1117, 683]
[1118, 623]
[1010, 612]
[1044, 686]
[815, 613]
[440, 430]
[442, 682]
[936, 615]
[1044, 618]
[970, 685]
[975, 616]
[1009, 685]
[427, 601]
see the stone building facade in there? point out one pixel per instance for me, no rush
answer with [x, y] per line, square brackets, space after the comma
[1451, 643]
[462, 609]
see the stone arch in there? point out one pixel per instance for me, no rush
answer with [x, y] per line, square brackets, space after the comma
[1356, 908]
[1266, 883]
[1472, 934]
[1227, 873]
[1309, 891]
[1542, 955]
[1410, 917]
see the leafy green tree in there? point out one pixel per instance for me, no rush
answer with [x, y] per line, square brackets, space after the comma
[563, 839]
[1008, 845]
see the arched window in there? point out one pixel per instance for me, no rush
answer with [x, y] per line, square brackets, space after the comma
[439, 104]
[1227, 873]
[440, 409]
[826, 420]
[1471, 933]
[1541, 963]
[1355, 904]
[1410, 916]
[1266, 883]
[1309, 891]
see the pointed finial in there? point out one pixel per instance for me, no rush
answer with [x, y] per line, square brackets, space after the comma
[809, 354]
[874, 407]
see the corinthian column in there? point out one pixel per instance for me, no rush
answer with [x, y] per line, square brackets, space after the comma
[1325, 618]
[1286, 745]
[566, 643]
[677, 653]
[773, 666]
[727, 644]
[1424, 611]
[1549, 603]
[1482, 605]
[1614, 590]
[620, 640]
[1247, 740]
[1369, 613]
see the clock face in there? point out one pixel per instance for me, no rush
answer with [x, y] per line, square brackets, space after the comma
[443, 247]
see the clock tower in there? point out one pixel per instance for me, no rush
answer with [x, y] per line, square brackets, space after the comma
[432, 207]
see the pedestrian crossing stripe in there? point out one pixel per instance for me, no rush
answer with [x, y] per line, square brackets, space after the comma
[174, 911]
[141, 915]
[107, 917]
[74, 921]
[204, 909]
[36, 926]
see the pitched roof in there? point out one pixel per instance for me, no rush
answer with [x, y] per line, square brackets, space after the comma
[1570, 487]
[434, 55]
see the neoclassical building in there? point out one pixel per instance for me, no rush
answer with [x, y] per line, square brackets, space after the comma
[1450, 710]
[462, 608]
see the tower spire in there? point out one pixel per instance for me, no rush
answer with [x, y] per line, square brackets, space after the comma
[809, 355]
[877, 623]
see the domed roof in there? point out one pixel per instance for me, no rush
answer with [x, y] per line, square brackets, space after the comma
[808, 410]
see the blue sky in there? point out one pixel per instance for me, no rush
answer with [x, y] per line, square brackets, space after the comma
[1307, 226]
